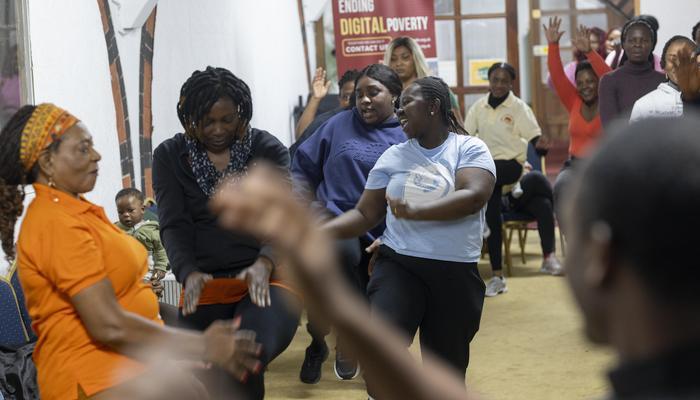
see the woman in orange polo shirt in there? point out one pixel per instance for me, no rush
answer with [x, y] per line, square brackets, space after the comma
[99, 333]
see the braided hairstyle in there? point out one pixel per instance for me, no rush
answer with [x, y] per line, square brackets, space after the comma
[433, 88]
[13, 178]
[203, 89]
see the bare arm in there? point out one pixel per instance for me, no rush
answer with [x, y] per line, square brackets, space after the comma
[582, 42]
[367, 214]
[319, 90]
[473, 188]
[130, 334]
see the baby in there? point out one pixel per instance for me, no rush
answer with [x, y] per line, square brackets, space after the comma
[131, 208]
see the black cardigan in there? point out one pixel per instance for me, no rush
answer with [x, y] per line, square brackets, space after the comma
[189, 231]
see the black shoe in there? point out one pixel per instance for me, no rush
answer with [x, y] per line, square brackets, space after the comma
[345, 368]
[313, 361]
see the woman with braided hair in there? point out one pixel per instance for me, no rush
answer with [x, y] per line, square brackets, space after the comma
[99, 333]
[225, 275]
[432, 190]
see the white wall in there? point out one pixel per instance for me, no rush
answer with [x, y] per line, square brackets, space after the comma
[69, 64]
[260, 41]
[676, 17]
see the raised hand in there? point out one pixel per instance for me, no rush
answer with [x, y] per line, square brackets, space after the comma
[552, 32]
[687, 72]
[582, 39]
[319, 86]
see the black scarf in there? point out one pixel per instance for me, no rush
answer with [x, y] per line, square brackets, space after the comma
[208, 178]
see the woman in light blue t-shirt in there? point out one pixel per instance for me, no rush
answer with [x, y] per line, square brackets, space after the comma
[432, 190]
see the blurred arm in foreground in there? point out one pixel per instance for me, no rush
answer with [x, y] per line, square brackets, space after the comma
[263, 206]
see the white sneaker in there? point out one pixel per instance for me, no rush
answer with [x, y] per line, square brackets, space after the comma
[517, 190]
[496, 286]
[552, 266]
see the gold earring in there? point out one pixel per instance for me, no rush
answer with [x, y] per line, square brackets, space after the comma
[52, 185]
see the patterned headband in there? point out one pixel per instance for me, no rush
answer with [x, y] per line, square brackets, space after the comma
[46, 125]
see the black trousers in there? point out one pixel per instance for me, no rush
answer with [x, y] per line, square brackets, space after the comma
[274, 326]
[507, 173]
[353, 261]
[442, 298]
[537, 200]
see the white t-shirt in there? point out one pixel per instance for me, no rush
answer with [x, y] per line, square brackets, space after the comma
[418, 175]
[664, 102]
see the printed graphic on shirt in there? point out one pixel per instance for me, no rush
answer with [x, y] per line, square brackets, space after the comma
[426, 183]
[365, 154]
[507, 119]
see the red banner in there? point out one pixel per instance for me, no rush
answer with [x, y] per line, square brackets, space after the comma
[364, 28]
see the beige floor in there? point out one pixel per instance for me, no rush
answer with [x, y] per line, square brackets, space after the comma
[530, 346]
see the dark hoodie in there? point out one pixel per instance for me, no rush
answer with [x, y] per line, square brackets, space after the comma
[334, 162]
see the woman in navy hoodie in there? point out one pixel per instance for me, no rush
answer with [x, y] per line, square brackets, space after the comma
[331, 169]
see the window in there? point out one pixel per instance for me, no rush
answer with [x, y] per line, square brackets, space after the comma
[470, 35]
[9, 68]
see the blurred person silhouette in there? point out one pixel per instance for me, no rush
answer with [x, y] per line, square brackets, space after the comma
[636, 286]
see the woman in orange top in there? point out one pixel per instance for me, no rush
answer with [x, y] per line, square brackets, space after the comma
[581, 101]
[99, 333]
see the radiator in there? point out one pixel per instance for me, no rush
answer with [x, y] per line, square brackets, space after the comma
[171, 291]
